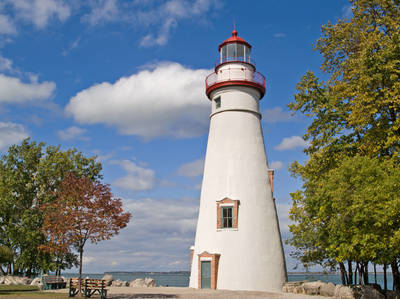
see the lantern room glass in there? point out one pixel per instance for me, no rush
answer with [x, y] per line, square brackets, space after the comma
[235, 52]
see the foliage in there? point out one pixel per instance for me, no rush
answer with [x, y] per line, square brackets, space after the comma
[29, 173]
[348, 208]
[84, 210]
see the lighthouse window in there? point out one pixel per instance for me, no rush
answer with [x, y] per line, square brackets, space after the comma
[240, 52]
[217, 102]
[227, 220]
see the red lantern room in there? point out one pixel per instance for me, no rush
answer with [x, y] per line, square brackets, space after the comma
[235, 67]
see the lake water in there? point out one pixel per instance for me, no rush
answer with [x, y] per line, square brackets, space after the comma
[181, 279]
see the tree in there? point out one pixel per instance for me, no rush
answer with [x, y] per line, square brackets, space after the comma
[6, 256]
[355, 118]
[29, 173]
[84, 210]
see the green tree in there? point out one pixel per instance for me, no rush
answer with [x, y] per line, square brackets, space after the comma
[28, 174]
[355, 112]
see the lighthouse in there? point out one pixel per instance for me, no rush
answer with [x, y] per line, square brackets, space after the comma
[238, 244]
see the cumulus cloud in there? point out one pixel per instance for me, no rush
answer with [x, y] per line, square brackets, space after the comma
[167, 16]
[13, 90]
[102, 11]
[277, 114]
[72, 133]
[137, 178]
[276, 165]
[7, 25]
[289, 143]
[39, 12]
[166, 100]
[170, 222]
[11, 133]
[192, 169]
[5, 64]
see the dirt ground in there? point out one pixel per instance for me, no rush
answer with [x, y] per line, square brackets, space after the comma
[189, 293]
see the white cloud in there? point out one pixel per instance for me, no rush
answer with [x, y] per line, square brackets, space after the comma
[277, 114]
[167, 100]
[11, 133]
[72, 133]
[167, 16]
[73, 45]
[102, 11]
[5, 64]
[276, 165]
[192, 169]
[39, 12]
[289, 143]
[279, 35]
[15, 91]
[137, 178]
[6, 25]
[347, 11]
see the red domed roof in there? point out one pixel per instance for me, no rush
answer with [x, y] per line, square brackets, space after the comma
[234, 39]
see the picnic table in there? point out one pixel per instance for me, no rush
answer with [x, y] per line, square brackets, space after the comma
[89, 287]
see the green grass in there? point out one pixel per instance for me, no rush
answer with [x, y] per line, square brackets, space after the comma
[27, 292]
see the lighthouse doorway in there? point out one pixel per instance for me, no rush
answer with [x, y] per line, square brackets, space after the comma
[206, 274]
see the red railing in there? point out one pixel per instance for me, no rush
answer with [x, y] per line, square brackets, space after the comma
[235, 74]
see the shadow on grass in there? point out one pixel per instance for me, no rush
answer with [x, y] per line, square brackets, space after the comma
[10, 289]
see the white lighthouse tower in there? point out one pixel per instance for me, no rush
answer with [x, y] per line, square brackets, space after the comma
[238, 244]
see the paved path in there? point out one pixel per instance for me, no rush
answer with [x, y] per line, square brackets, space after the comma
[189, 293]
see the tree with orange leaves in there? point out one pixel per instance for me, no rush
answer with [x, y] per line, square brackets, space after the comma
[84, 210]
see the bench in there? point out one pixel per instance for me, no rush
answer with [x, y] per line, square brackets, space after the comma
[51, 282]
[89, 287]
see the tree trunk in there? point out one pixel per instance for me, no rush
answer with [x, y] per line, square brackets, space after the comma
[80, 270]
[384, 277]
[350, 266]
[2, 271]
[365, 272]
[375, 273]
[343, 273]
[396, 275]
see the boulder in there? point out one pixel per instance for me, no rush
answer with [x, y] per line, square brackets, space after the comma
[150, 282]
[119, 283]
[392, 295]
[15, 280]
[137, 283]
[295, 287]
[313, 287]
[108, 279]
[2, 279]
[327, 289]
[143, 283]
[36, 282]
[357, 292]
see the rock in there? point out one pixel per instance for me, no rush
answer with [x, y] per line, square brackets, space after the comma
[295, 287]
[392, 295]
[1, 279]
[119, 283]
[312, 288]
[137, 283]
[37, 282]
[108, 279]
[357, 292]
[143, 283]
[15, 280]
[327, 289]
[150, 282]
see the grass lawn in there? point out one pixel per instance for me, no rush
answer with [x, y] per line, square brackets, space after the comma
[27, 292]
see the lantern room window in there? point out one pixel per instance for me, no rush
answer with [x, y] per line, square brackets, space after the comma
[235, 52]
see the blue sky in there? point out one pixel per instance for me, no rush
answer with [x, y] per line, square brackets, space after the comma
[124, 80]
